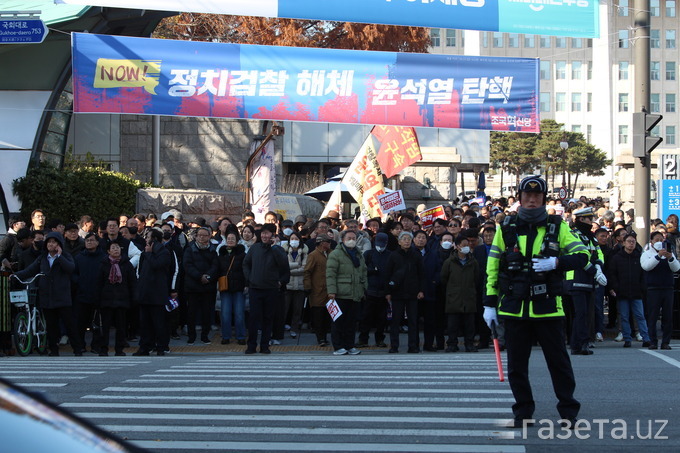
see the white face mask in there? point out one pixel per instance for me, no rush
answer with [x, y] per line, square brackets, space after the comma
[295, 244]
[350, 243]
[380, 249]
[658, 245]
[465, 250]
[446, 245]
[287, 231]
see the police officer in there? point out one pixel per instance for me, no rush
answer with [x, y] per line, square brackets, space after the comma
[580, 283]
[525, 270]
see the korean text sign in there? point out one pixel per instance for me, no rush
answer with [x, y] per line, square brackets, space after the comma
[428, 216]
[393, 201]
[116, 74]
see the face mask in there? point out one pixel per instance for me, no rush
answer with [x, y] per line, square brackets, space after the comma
[132, 230]
[287, 232]
[350, 244]
[465, 250]
[379, 249]
[446, 245]
[658, 245]
[295, 244]
[167, 235]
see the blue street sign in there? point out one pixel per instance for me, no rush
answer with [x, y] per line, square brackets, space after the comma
[668, 197]
[22, 31]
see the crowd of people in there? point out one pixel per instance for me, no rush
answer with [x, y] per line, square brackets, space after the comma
[153, 278]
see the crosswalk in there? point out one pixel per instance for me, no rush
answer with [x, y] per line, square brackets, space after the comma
[367, 403]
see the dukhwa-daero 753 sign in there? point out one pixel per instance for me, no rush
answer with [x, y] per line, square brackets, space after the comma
[113, 74]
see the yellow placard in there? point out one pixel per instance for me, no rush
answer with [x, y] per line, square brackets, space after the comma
[127, 73]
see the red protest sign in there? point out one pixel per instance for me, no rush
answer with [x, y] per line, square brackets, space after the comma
[399, 148]
[428, 216]
[392, 201]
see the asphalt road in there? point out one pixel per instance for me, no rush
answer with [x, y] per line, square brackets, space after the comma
[374, 402]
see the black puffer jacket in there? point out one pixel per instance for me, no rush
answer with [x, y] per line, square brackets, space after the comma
[197, 263]
[116, 295]
[233, 263]
[625, 275]
[404, 272]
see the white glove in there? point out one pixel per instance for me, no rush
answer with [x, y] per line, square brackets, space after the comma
[600, 278]
[490, 316]
[545, 264]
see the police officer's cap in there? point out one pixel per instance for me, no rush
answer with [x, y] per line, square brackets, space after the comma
[584, 212]
[533, 184]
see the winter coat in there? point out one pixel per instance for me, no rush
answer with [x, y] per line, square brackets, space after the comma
[296, 266]
[74, 247]
[342, 278]
[658, 272]
[432, 267]
[315, 278]
[405, 276]
[461, 282]
[376, 263]
[127, 249]
[155, 271]
[54, 288]
[363, 242]
[116, 295]
[198, 263]
[85, 276]
[266, 267]
[625, 275]
[233, 264]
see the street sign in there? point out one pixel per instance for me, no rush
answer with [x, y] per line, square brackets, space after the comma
[563, 193]
[669, 198]
[22, 31]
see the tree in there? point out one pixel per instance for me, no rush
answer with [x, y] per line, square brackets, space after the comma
[513, 152]
[293, 32]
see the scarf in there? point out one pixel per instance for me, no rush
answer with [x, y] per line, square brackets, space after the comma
[534, 215]
[353, 255]
[115, 276]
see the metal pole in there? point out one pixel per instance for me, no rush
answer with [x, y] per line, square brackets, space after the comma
[641, 166]
[156, 150]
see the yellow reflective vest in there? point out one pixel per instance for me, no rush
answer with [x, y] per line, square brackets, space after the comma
[572, 255]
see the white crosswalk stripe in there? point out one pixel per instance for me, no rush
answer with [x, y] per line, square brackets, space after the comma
[428, 403]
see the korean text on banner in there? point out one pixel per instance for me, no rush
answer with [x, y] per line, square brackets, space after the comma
[119, 74]
[393, 201]
[399, 148]
[263, 182]
[333, 309]
[363, 180]
[428, 216]
[574, 18]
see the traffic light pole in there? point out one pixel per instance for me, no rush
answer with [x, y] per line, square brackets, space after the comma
[642, 165]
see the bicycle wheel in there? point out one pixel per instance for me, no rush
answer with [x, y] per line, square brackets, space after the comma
[23, 340]
[40, 332]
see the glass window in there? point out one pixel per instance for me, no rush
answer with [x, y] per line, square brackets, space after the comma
[485, 39]
[560, 102]
[589, 133]
[670, 8]
[670, 135]
[589, 74]
[670, 39]
[560, 42]
[529, 41]
[623, 39]
[497, 39]
[623, 70]
[576, 128]
[560, 69]
[513, 40]
[670, 102]
[623, 102]
[655, 70]
[545, 69]
[670, 70]
[576, 72]
[450, 38]
[589, 102]
[623, 8]
[545, 42]
[655, 102]
[654, 8]
[655, 39]
[576, 102]
[576, 43]
[544, 102]
[623, 135]
[435, 37]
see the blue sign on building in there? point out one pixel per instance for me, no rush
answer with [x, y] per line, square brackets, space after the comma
[668, 198]
[22, 31]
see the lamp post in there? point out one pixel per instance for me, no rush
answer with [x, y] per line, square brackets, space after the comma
[565, 146]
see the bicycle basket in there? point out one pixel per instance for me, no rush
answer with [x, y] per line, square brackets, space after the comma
[18, 297]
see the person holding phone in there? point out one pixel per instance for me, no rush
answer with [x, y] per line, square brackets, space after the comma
[659, 264]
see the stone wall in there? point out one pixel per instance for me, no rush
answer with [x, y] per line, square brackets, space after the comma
[205, 153]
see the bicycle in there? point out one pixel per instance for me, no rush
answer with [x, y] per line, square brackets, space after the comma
[29, 323]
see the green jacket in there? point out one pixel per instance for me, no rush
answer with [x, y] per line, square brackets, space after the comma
[461, 283]
[342, 278]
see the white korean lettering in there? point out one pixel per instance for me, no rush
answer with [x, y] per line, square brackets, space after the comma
[183, 84]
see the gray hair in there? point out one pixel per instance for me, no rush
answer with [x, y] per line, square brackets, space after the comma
[405, 233]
